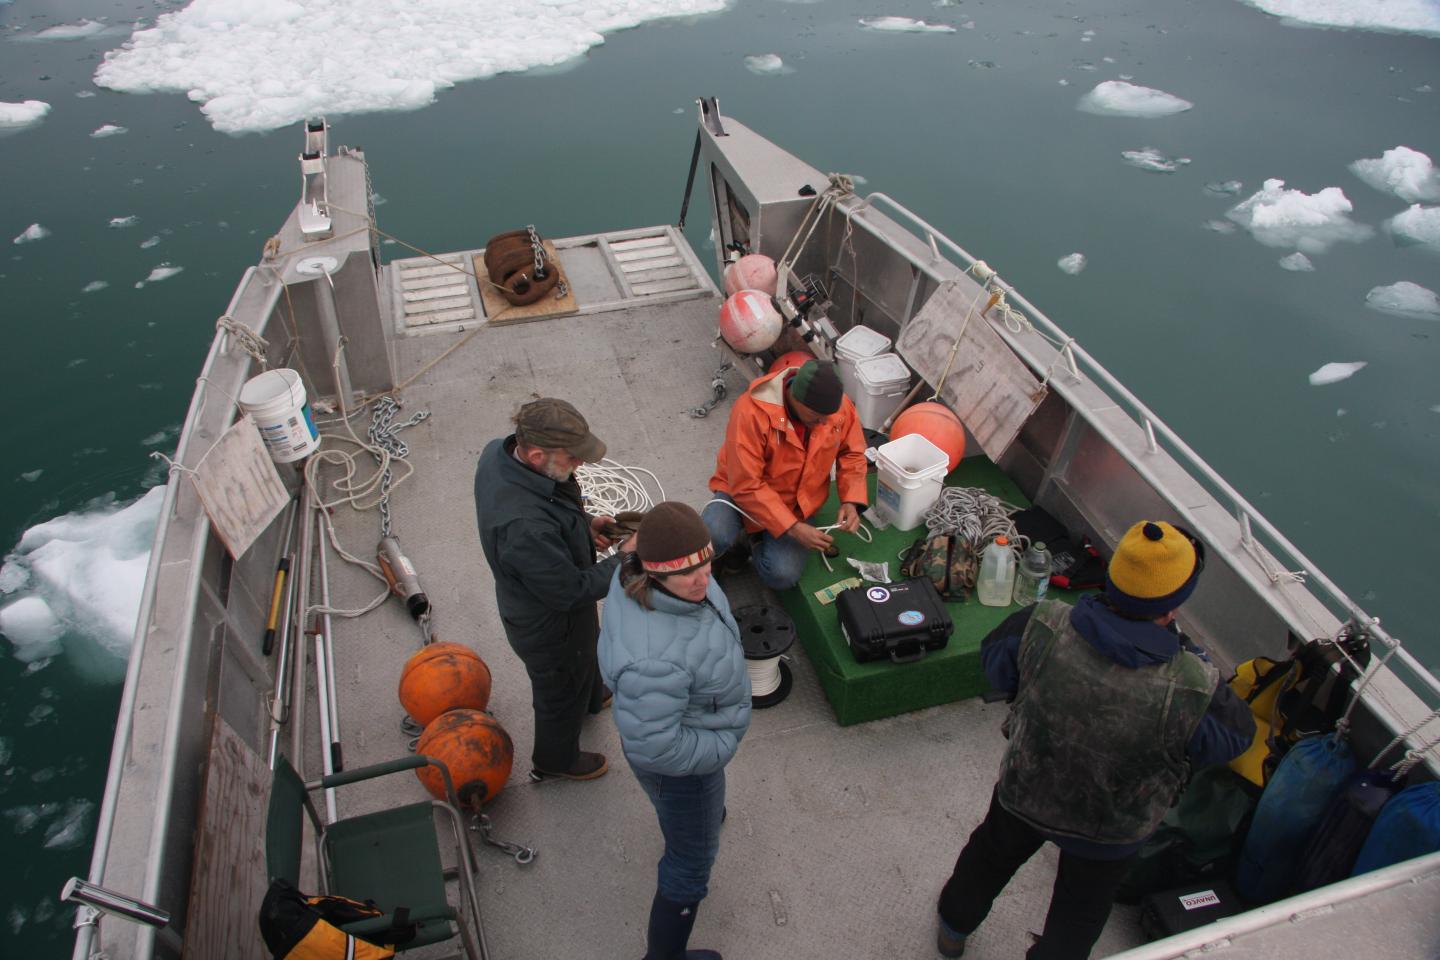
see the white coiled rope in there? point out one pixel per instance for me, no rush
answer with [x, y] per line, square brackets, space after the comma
[611, 488]
[764, 676]
[974, 515]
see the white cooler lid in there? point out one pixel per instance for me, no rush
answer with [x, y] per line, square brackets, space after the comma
[859, 342]
[885, 370]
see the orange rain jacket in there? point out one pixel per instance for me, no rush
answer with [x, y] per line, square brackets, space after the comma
[771, 475]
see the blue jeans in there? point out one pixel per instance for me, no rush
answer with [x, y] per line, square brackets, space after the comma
[778, 561]
[690, 810]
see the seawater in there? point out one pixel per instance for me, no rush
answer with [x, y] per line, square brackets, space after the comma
[107, 317]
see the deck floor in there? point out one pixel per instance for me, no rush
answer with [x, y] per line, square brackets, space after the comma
[838, 839]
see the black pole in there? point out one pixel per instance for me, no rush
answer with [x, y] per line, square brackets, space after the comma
[690, 180]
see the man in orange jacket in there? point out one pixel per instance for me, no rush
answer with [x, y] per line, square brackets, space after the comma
[785, 434]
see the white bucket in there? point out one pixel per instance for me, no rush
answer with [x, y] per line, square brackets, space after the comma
[854, 345]
[276, 401]
[884, 380]
[911, 472]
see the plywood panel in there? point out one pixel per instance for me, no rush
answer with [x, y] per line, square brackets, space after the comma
[499, 310]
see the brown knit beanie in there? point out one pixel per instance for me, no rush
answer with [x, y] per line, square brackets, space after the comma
[673, 539]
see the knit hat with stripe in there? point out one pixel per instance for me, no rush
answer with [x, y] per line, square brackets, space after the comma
[673, 539]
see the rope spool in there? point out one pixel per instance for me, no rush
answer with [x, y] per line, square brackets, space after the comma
[766, 632]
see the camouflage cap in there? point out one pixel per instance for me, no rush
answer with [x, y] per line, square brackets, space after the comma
[554, 424]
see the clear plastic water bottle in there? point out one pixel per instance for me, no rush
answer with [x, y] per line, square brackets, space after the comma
[1033, 575]
[996, 582]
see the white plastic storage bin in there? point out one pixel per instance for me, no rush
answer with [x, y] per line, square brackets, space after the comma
[854, 345]
[883, 383]
[910, 473]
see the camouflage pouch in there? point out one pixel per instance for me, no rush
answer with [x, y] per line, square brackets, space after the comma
[947, 562]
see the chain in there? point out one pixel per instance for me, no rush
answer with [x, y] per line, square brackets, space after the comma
[522, 854]
[384, 432]
[538, 250]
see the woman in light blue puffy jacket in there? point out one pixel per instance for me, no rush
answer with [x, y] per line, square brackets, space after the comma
[670, 652]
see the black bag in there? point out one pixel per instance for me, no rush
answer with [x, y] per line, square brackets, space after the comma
[1185, 908]
[900, 621]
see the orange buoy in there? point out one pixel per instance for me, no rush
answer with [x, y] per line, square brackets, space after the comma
[477, 750]
[749, 321]
[441, 677]
[792, 359]
[754, 271]
[936, 423]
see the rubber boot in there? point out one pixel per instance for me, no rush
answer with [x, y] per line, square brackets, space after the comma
[669, 932]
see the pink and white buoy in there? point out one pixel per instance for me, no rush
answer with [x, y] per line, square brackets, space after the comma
[754, 271]
[749, 321]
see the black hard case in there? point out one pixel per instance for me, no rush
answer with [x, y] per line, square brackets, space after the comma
[1174, 911]
[899, 621]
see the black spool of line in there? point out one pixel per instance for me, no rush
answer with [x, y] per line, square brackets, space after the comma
[766, 632]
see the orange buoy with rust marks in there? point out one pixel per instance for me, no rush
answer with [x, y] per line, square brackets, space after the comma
[936, 423]
[477, 750]
[441, 677]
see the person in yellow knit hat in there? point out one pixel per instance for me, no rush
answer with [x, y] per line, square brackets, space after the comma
[1112, 709]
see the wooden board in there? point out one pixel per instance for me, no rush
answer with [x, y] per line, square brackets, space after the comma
[989, 388]
[500, 310]
[228, 880]
[239, 486]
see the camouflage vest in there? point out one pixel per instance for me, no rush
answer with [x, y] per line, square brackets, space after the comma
[1097, 750]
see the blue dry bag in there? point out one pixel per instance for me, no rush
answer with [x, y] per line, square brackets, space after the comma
[1408, 826]
[1294, 802]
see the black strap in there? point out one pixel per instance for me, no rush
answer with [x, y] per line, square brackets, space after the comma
[690, 180]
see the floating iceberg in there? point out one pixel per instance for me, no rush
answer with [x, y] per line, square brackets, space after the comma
[1116, 98]
[1405, 299]
[1309, 222]
[1335, 372]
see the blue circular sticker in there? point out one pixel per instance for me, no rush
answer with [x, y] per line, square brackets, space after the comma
[911, 618]
[878, 594]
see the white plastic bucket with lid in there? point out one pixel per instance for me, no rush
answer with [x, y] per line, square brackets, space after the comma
[276, 401]
[883, 382]
[910, 473]
[855, 345]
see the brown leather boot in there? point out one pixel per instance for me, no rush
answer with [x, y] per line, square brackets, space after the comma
[587, 766]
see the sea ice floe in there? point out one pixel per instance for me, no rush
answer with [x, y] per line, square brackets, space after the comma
[32, 233]
[71, 827]
[261, 64]
[1405, 299]
[93, 286]
[151, 242]
[1297, 262]
[109, 130]
[1335, 372]
[1116, 98]
[32, 628]
[1406, 173]
[1153, 160]
[766, 64]
[119, 223]
[1399, 16]
[1418, 224]
[72, 31]
[22, 114]
[1309, 222]
[84, 571]
[163, 272]
[1224, 188]
[1072, 263]
[30, 476]
[904, 25]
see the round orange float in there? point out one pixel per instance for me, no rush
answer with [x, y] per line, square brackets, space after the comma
[936, 423]
[441, 677]
[754, 271]
[749, 321]
[477, 750]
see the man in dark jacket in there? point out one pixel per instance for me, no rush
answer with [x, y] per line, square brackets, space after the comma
[540, 545]
[1113, 708]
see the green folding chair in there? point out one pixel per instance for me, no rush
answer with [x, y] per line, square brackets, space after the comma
[391, 857]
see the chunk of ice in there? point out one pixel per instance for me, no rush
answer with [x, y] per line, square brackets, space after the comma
[32, 233]
[32, 628]
[1405, 299]
[109, 130]
[1297, 262]
[163, 272]
[1335, 372]
[766, 64]
[1072, 264]
[1416, 225]
[261, 64]
[22, 114]
[1153, 160]
[1116, 98]
[1310, 222]
[72, 31]
[71, 828]
[1406, 173]
[1224, 188]
[904, 25]
[93, 286]
[1398, 16]
[119, 223]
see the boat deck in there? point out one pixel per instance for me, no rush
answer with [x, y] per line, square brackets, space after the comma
[838, 839]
